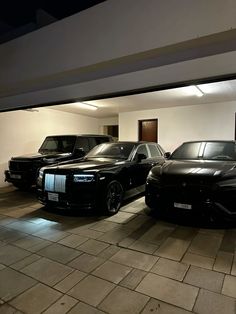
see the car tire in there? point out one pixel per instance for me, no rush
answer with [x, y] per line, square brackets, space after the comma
[113, 197]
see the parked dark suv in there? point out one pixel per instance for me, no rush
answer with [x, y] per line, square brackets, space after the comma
[23, 170]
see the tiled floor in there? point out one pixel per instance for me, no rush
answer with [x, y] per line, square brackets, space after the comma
[128, 263]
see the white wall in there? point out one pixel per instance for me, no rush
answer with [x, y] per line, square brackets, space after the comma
[179, 124]
[22, 132]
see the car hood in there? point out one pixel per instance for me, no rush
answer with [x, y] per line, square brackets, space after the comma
[195, 168]
[39, 156]
[86, 164]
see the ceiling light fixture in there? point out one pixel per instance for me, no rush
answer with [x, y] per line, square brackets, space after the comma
[194, 90]
[84, 105]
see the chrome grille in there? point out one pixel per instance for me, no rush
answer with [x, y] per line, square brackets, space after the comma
[55, 183]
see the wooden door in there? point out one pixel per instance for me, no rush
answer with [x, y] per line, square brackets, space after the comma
[148, 130]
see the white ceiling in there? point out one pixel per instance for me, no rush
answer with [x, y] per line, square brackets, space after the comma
[213, 93]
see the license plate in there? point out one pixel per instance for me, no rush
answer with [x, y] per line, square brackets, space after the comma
[15, 176]
[53, 197]
[184, 206]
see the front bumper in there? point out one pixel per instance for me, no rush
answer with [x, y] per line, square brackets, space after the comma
[200, 200]
[20, 177]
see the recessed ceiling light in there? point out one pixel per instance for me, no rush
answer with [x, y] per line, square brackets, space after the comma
[85, 106]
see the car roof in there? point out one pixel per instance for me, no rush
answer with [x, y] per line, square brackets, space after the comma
[214, 141]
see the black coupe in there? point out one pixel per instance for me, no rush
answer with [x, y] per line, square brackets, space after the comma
[199, 177]
[106, 175]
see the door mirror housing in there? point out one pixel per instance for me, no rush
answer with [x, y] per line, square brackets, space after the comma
[140, 157]
[79, 152]
[167, 155]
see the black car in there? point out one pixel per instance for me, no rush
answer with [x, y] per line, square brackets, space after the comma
[106, 175]
[23, 170]
[198, 178]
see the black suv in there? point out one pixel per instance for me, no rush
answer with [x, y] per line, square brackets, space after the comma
[23, 170]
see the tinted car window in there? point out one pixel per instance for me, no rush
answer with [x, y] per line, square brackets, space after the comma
[82, 142]
[112, 150]
[92, 142]
[101, 140]
[220, 151]
[187, 151]
[154, 151]
[64, 144]
[142, 149]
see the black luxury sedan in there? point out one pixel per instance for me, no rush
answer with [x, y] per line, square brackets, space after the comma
[199, 178]
[109, 173]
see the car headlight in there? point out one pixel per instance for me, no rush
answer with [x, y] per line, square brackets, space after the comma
[83, 177]
[152, 176]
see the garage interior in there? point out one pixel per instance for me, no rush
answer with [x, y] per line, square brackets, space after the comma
[131, 262]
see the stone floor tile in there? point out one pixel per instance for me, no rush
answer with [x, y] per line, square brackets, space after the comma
[223, 262]
[233, 270]
[93, 247]
[159, 307]
[133, 279]
[7, 309]
[109, 252]
[41, 245]
[2, 266]
[143, 247]
[26, 261]
[70, 281]
[4, 221]
[116, 235]
[213, 231]
[170, 269]
[59, 253]
[104, 226]
[25, 226]
[73, 240]
[211, 302]
[121, 217]
[198, 260]
[27, 242]
[122, 300]
[229, 287]
[36, 299]
[133, 210]
[139, 222]
[158, 233]
[13, 283]
[112, 271]
[91, 290]
[169, 291]
[184, 233]
[205, 245]
[10, 254]
[134, 259]
[204, 278]
[62, 306]
[228, 243]
[10, 235]
[51, 234]
[86, 262]
[88, 233]
[173, 248]
[82, 308]
[47, 271]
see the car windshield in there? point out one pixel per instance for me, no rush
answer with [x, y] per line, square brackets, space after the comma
[112, 150]
[58, 144]
[206, 151]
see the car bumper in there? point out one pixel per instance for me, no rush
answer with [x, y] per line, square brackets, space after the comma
[196, 201]
[19, 177]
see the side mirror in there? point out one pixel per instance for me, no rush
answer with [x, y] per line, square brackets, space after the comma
[167, 155]
[79, 152]
[140, 157]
